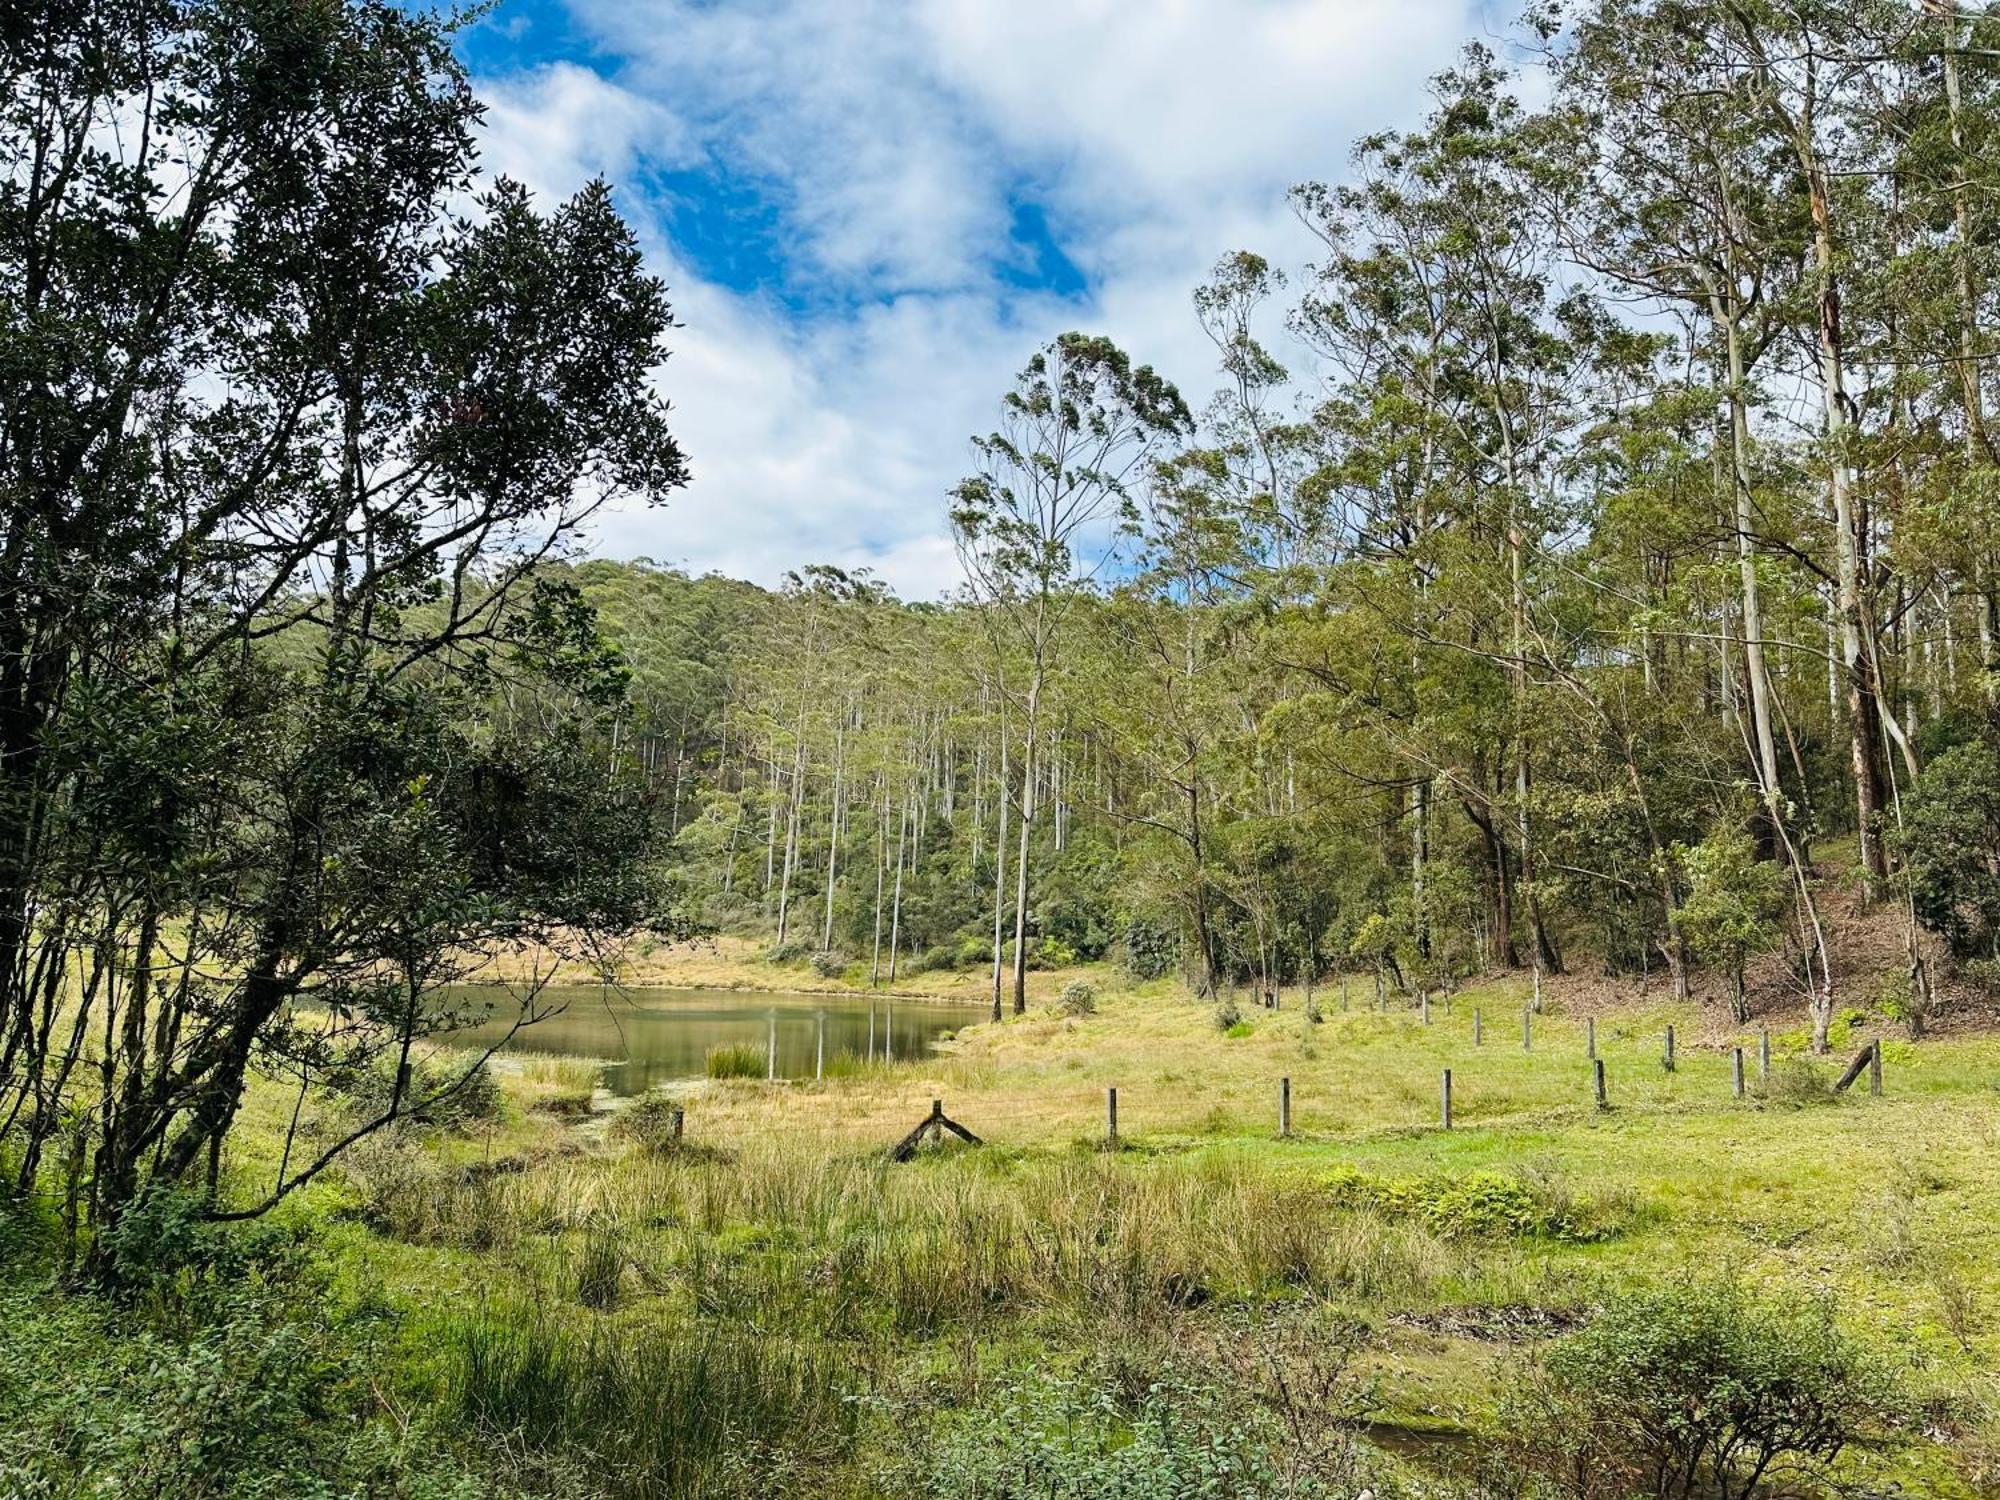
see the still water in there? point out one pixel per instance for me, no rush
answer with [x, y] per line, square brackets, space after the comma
[651, 1037]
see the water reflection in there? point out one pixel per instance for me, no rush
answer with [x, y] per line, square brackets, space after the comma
[651, 1037]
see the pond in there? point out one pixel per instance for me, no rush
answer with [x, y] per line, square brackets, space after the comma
[650, 1037]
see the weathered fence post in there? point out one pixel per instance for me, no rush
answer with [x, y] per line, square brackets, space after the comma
[1111, 1115]
[680, 1121]
[1875, 1067]
[1590, 1037]
[1527, 1030]
[1424, 1005]
[1736, 1080]
[1668, 1060]
[1597, 1068]
[1477, 1027]
[1284, 1106]
[1444, 1099]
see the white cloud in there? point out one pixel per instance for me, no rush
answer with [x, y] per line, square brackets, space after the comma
[895, 136]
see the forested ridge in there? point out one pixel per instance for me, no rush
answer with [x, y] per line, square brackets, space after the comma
[1588, 561]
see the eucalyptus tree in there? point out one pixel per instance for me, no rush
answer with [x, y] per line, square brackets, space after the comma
[291, 410]
[1053, 485]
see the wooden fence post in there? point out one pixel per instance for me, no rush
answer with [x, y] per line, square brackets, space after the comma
[1527, 1030]
[1284, 1106]
[1875, 1067]
[1111, 1115]
[1444, 1099]
[1590, 1037]
[1669, 1058]
[1603, 1100]
[1477, 1028]
[680, 1121]
[1424, 1004]
[1737, 1070]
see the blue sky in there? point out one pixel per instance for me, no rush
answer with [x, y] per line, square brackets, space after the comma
[870, 212]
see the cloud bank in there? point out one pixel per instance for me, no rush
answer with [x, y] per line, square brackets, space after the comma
[870, 212]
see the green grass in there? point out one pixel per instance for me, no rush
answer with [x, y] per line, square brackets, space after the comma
[846, 1313]
[736, 1060]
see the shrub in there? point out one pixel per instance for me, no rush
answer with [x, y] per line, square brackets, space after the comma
[261, 1395]
[942, 956]
[974, 951]
[648, 1123]
[1700, 1389]
[1227, 1016]
[828, 963]
[1079, 998]
[1798, 1083]
[791, 951]
[461, 1092]
[736, 1060]
[1051, 953]
[1147, 950]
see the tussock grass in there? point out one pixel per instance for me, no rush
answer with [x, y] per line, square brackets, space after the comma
[736, 1060]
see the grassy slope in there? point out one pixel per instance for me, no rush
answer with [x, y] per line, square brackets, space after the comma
[1892, 1205]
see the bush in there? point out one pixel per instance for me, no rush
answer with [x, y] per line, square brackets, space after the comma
[1485, 1204]
[1227, 1016]
[974, 951]
[261, 1395]
[648, 1123]
[942, 956]
[1079, 998]
[1701, 1389]
[736, 1060]
[790, 951]
[1148, 951]
[1052, 953]
[463, 1092]
[830, 964]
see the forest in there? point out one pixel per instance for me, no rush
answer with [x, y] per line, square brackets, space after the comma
[1564, 618]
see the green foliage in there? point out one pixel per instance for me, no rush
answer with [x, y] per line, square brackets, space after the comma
[736, 1060]
[648, 1122]
[1148, 950]
[1485, 1205]
[257, 1393]
[1079, 998]
[1048, 1437]
[1951, 840]
[830, 964]
[1733, 902]
[1699, 1389]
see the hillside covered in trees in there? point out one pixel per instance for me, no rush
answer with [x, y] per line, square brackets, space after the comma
[1589, 561]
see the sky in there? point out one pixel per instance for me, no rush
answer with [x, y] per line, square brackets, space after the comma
[869, 213]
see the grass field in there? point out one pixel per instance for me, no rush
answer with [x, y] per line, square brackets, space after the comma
[768, 1306]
